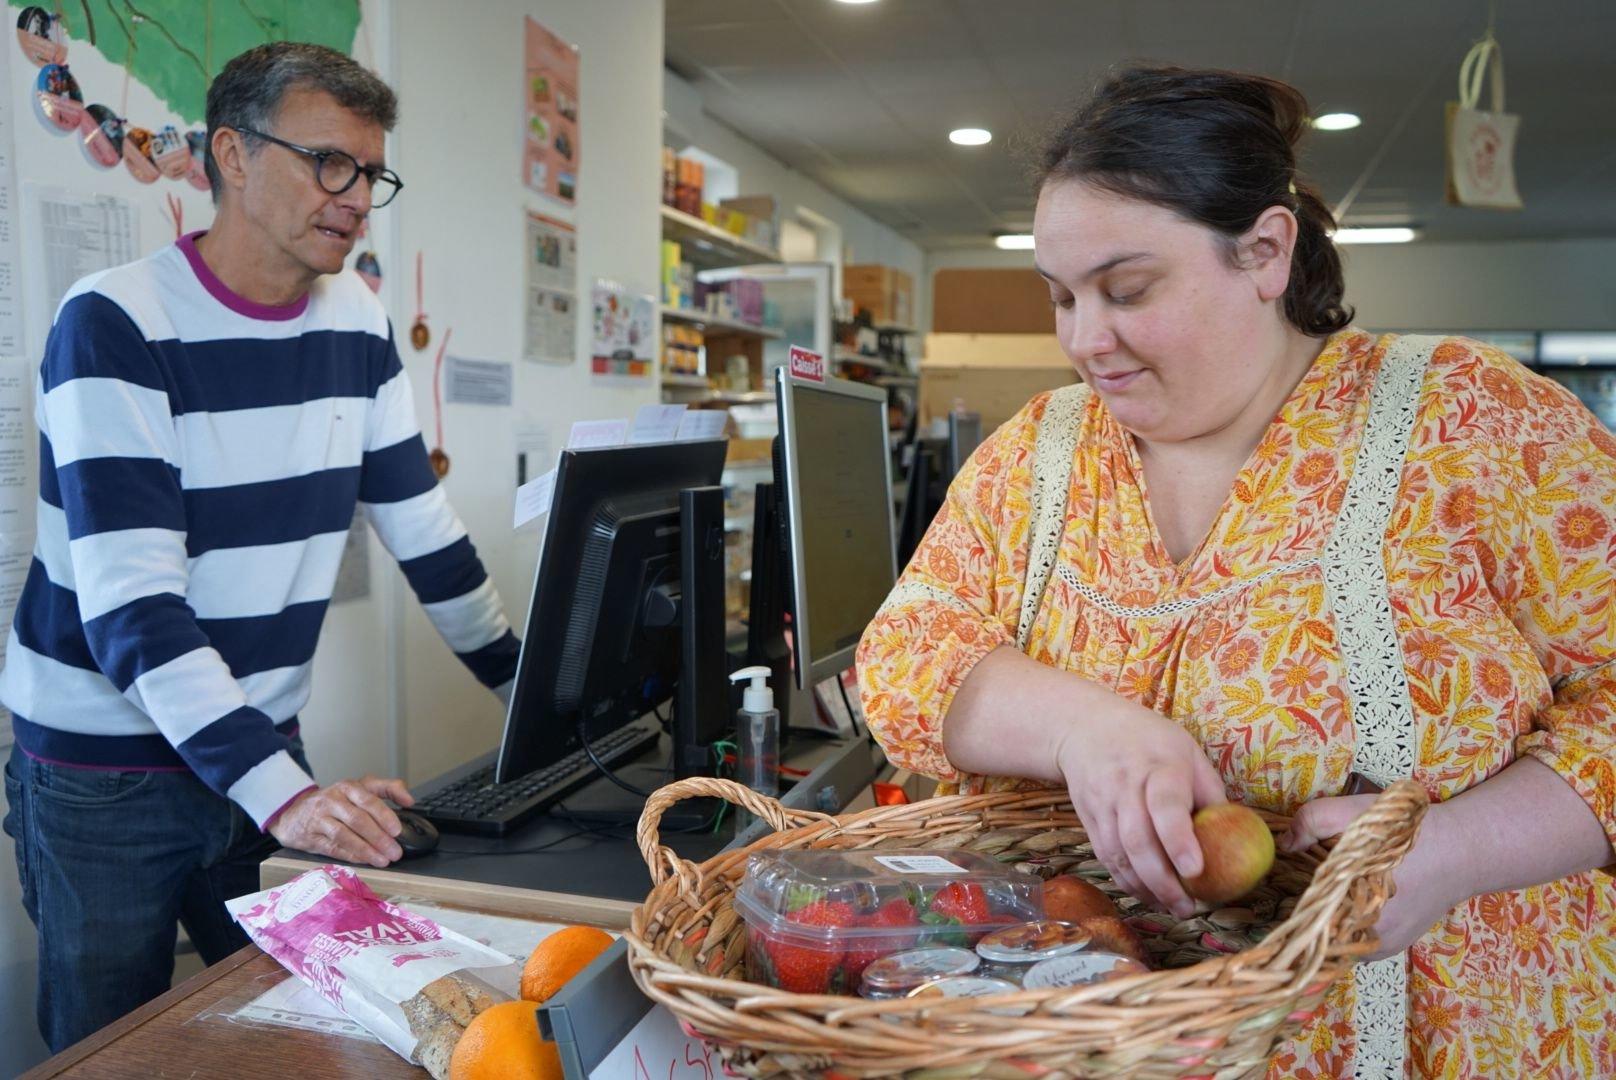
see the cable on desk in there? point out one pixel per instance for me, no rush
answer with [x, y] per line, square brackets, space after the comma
[537, 849]
[600, 766]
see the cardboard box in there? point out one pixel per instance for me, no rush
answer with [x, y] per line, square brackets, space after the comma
[887, 293]
[992, 374]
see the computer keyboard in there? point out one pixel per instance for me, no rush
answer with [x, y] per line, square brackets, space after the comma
[475, 804]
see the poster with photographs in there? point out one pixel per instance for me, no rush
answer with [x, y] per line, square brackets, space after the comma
[551, 264]
[621, 332]
[550, 111]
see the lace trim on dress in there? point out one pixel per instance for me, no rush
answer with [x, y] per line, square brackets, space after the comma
[1174, 607]
[1382, 711]
[1053, 449]
[1579, 675]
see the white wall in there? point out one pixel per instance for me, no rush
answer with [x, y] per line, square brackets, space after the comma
[864, 240]
[1520, 285]
[458, 150]
[1516, 285]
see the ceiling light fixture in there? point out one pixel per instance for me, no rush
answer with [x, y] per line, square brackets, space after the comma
[856, 1]
[1013, 241]
[1337, 121]
[970, 136]
[1400, 235]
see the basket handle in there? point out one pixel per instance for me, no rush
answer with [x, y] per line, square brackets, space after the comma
[1371, 848]
[662, 861]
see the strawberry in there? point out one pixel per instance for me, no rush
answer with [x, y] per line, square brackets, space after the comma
[898, 914]
[962, 900]
[807, 969]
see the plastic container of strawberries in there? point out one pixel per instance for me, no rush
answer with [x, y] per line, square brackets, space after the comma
[816, 919]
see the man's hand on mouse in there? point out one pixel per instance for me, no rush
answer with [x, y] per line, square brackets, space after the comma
[347, 821]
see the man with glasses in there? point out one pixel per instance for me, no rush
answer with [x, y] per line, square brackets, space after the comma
[209, 419]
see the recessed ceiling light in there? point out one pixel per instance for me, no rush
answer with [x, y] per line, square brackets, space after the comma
[970, 136]
[857, 1]
[1374, 236]
[1013, 241]
[1337, 121]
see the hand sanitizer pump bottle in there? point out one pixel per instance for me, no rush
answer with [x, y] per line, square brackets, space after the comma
[758, 734]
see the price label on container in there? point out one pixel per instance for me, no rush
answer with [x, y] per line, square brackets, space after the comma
[807, 364]
[919, 864]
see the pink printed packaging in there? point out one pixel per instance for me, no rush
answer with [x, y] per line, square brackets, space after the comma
[373, 960]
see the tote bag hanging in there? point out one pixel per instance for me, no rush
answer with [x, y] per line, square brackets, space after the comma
[1481, 142]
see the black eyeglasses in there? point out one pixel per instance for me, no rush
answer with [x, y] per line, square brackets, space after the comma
[336, 171]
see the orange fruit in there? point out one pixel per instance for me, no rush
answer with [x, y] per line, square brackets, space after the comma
[558, 958]
[503, 1043]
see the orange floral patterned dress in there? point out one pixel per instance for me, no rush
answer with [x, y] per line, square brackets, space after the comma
[1443, 614]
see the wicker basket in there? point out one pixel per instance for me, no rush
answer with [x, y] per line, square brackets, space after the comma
[1212, 1012]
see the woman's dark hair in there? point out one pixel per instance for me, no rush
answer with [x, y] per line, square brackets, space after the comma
[1217, 148]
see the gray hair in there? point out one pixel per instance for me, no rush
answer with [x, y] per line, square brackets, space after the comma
[248, 92]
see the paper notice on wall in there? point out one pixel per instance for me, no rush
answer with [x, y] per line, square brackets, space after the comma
[18, 466]
[550, 139]
[18, 462]
[476, 382]
[14, 564]
[78, 234]
[551, 331]
[11, 336]
[353, 572]
[622, 342]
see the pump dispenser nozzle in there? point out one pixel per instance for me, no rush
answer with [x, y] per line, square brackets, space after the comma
[759, 697]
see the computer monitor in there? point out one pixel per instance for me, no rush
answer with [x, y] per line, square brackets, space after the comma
[837, 473]
[628, 606]
[924, 487]
[964, 436]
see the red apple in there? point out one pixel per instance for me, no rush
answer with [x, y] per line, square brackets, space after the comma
[1237, 851]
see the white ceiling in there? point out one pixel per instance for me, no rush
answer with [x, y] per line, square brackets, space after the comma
[861, 98]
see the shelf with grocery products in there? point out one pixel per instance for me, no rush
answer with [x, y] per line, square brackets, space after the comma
[880, 364]
[716, 325]
[695, 390]
[707, 246]
[894, 328]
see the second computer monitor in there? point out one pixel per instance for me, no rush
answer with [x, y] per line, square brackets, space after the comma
[964, 436]
[838, 499]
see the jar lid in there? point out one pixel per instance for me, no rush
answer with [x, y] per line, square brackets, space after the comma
[1031, 942]
[964, 986]
[906, 970]
[1080, 969]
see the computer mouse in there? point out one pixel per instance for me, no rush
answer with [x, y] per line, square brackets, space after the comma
[418, 835]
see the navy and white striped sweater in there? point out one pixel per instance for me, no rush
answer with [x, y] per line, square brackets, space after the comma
[201, 457]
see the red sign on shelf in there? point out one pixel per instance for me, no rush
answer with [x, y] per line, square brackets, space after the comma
[807, 364]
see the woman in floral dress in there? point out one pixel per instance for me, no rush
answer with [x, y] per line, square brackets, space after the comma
[1259, 554]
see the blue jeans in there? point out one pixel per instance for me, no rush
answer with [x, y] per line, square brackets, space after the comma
[110, 862]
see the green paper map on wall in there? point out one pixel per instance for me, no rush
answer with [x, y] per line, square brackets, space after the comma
[175, 47]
